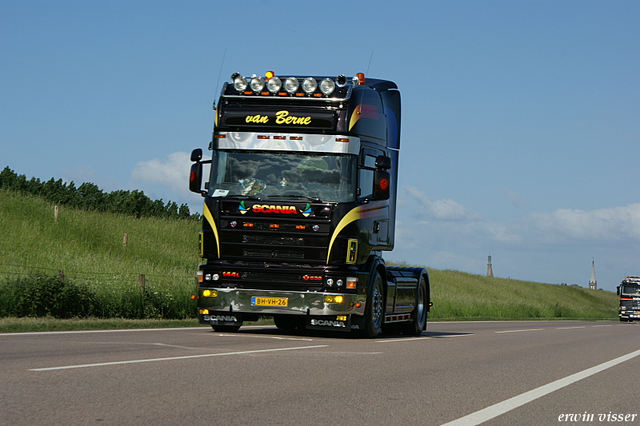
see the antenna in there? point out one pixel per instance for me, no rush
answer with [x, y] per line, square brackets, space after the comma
[369, 66]
[219, 74]
[367, 73]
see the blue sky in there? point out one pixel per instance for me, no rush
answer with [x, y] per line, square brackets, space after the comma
[520, 127]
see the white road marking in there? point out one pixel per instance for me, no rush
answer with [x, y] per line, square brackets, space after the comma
[500, 408]
[410, 339]
[137, 361]
[125, 330]
[519, 331]
[569, 328]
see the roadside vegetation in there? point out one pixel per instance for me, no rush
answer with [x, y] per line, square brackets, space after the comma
[98, 269]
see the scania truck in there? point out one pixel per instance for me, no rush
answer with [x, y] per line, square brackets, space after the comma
[629, 292]
[299, 205]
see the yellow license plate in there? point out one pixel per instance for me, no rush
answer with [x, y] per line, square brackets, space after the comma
[269, 301]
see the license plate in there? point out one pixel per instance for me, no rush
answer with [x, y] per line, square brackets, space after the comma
[269, 301]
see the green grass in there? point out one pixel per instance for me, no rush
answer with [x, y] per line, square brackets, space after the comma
[461, 296]
[99, 272]
[86, 247]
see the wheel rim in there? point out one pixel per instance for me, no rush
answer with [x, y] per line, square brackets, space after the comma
[421, 311]
[376, 311]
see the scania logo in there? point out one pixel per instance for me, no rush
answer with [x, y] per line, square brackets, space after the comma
[327, 323]
[267, 208]
[273, 208]
[222, 318]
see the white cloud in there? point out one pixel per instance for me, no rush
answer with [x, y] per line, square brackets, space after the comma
[514, 198]
[172, 173]
[551, 247]
[446, 209]
[615, 223]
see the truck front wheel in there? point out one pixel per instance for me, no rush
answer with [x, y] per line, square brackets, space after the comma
[374, 310]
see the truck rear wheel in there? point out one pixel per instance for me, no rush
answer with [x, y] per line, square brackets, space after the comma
[374, 311]
[419, 316]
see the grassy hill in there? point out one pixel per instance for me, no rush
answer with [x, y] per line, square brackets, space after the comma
[81, 260]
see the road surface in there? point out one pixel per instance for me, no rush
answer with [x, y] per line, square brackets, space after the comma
[456, 373]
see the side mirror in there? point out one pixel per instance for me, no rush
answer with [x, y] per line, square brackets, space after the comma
[195, 177]
[196, 155]
[381, 181]
[618, 290]
[383, 162]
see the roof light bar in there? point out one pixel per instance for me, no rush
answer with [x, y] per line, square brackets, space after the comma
[271, 85]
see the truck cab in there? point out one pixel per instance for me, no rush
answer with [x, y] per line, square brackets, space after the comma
[299, 206]
[629, 292]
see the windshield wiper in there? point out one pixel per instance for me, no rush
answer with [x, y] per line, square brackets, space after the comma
[314, 199]
[244, 197]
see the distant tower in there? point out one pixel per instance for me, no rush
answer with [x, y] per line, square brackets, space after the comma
[592, 282]
[489, 268]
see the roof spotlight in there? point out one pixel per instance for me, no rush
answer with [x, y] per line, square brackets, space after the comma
[341, 80]
[239, 82]
[274, 85]
[291, 85]
[309, 85]
[257, 84]
[327, 86]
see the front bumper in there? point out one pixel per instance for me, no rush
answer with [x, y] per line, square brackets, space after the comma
[297, 303]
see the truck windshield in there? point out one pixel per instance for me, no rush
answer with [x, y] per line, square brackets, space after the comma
[630, 290]
[277, 175]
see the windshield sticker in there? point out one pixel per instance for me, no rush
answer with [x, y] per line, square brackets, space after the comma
[220, 193]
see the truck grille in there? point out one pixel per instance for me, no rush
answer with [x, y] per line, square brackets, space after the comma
[303, 240]
[275, 240]
[273, 254]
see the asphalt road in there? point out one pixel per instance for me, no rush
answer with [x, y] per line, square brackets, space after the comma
[466, 373]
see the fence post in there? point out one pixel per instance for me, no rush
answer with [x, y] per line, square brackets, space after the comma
[141, 282]
[55, 214]
[124, 241]
[61, 275]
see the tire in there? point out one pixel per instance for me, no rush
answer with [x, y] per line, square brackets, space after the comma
[225, 328]
[374, 311]
[419, 316]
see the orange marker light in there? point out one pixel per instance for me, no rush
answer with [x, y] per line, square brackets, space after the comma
[269, 74]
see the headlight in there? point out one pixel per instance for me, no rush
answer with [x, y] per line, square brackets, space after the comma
[257, 84]
[327, 86]
[274, 84]
[291, 85]
[309, 85]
